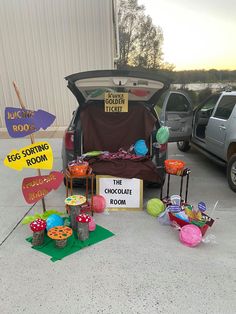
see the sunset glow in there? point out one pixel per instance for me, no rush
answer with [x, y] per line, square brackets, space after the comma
[197, 35]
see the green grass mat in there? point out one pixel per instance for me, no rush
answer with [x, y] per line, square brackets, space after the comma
[73, 244]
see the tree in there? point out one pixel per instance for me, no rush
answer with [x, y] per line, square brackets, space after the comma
[140, 40]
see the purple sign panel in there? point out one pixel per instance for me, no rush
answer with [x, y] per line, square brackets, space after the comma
[23, 122]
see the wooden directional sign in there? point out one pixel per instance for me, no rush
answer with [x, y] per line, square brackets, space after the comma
[38, 156]
[23, 122]
[35, 188]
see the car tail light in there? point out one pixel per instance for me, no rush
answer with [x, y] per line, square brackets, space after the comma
[163, 148]
[69, 140]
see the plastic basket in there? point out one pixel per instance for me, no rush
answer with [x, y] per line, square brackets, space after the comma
[173, 166]
[78, 169]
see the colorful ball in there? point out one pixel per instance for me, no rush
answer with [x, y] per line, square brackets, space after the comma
[99, 203]
[54, 220]
[92, 225]
[190, 235]
[155, 207]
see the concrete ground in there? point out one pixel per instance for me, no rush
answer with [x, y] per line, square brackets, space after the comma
[142, 269]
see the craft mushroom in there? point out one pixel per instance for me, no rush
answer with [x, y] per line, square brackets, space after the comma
[83, 226]
[60, 234]
[74, 202]
[38, 226]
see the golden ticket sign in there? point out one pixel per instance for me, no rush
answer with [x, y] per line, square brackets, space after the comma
[116, 102]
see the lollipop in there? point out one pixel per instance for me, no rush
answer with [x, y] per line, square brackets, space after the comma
[202, 206]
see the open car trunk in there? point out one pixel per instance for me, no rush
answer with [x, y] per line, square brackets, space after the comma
[111, 131]
[106, 130]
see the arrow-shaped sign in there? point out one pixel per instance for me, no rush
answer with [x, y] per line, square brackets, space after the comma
[38, 156]
[35, 188]
[23, 122]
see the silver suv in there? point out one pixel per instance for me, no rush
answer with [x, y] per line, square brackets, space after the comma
[214, 132]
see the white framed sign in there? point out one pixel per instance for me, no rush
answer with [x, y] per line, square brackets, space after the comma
[120, 193]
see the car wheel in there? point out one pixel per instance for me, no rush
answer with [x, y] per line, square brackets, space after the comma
[183, 146]
[231, 172]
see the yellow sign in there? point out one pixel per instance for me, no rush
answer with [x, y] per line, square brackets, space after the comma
[38, 155]
[116, 102]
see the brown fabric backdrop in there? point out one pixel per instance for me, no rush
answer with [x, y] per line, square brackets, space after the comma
[110, 131]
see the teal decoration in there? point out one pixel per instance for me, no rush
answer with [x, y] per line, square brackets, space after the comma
[155, 207]
[162, 135]
[54, 220]
[140, 148]
[96, 92]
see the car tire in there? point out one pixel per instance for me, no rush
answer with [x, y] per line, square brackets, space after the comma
[231, 172]
[183, 146]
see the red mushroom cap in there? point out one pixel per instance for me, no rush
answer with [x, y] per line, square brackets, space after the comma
[38, 225]
[83, 218]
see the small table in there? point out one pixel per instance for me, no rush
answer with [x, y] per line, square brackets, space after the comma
[186, 172]
[69, 185]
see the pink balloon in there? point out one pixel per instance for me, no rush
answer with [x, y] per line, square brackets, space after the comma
[99, 203]
[92, 225]
[190, 235]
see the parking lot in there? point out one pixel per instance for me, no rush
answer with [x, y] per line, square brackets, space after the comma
[142, 269]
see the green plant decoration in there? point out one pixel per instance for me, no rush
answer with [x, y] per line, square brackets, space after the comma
[45, 215]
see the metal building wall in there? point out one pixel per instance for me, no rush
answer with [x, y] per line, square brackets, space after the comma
[42, 41]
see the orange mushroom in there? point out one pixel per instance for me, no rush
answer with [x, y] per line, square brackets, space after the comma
[60, 234]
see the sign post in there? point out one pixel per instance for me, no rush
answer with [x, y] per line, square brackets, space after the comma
[31, 135]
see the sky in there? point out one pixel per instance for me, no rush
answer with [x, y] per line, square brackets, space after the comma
[198, 34]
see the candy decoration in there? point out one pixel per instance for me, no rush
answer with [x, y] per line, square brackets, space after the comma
[175, 200]
[190, 235]
[99, 203]
[54, 220]
[174, 208]
[155, 207]
[193, 215]
[140, 148]
[202, 206]
[162, 135]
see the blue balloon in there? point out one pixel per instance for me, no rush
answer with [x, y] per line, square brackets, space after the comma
[54, 220]
[140, 148]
